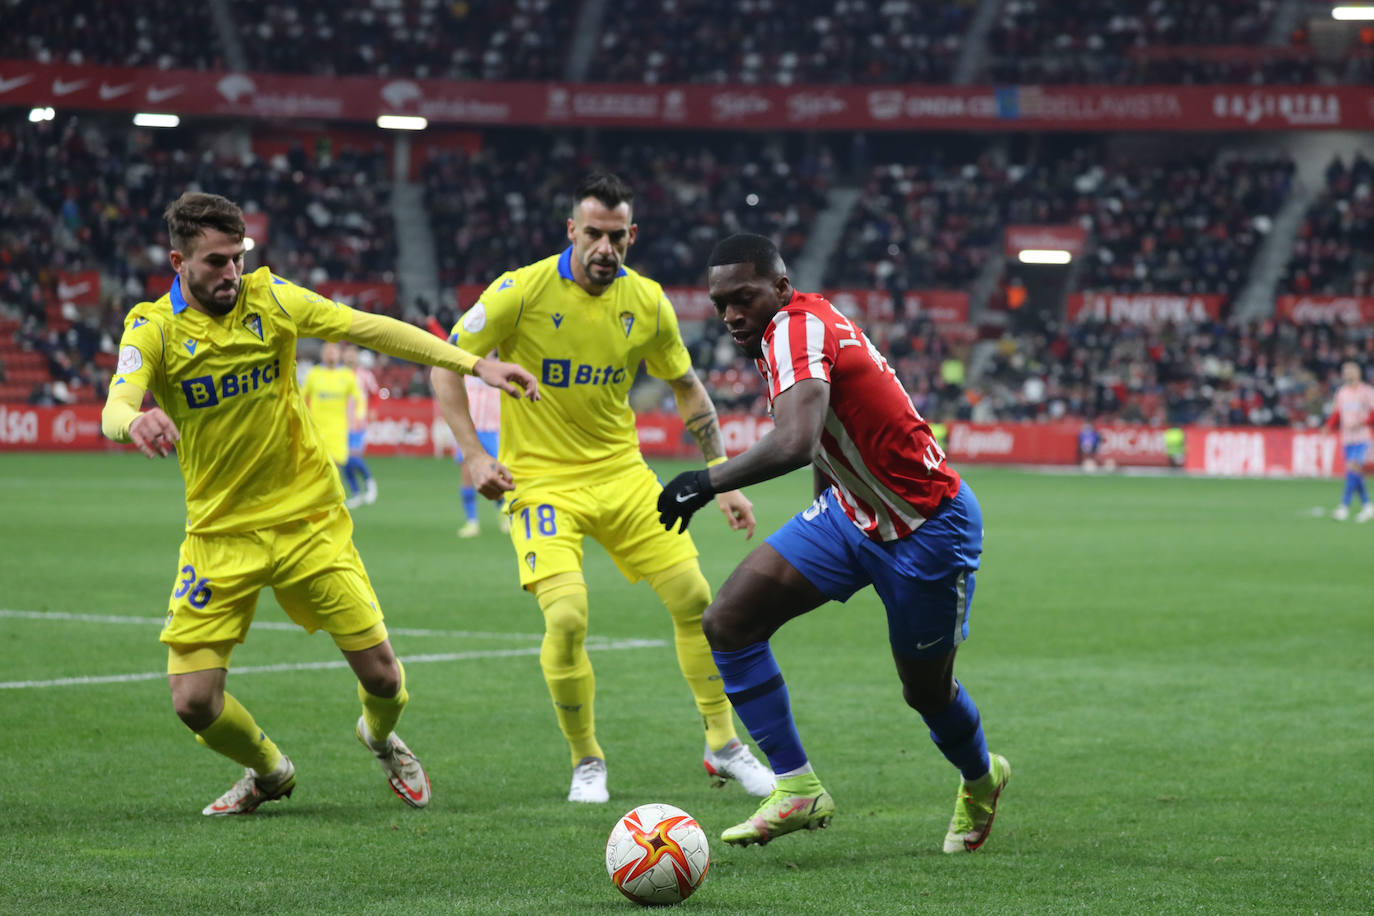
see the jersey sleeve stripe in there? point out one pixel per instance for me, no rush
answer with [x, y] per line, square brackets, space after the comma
[875, 492]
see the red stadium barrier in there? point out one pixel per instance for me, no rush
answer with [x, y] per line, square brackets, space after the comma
[1250, 452]
[41, 429]
[412, 426]
[912, 107]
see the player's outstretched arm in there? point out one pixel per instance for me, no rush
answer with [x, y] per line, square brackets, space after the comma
[396, 338]
[698, 414]
[511, 378]
[490, 477]
[152, 431]
[798, 418]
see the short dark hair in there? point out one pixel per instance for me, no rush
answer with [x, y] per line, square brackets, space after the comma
[606, 187]
[194, 212]
[747, 248]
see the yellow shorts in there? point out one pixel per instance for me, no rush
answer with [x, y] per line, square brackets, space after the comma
[547, 524]
[311, 565]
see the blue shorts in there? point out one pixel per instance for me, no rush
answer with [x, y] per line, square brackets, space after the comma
[489, 442]
[925, 580]
[1357, 452]
[357, 440]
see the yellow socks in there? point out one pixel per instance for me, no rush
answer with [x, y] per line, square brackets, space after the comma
[684, 590]
[235, 735]
[563, 658]
[381, 714]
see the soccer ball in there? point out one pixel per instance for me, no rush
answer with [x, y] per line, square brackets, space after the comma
[657, 854]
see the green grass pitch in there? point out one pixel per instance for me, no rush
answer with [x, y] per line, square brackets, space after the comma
[1178, 669]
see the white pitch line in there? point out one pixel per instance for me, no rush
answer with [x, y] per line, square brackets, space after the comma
[322, 666]
[263, 625]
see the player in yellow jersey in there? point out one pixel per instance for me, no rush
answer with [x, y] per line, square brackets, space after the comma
[583, 322]
[331, 394]
[264, 506]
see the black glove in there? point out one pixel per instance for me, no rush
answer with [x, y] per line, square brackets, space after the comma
[683, 496]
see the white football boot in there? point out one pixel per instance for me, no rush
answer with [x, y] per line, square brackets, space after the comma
[253, 789]
[589, 782]
[404, 772]
[734, 761]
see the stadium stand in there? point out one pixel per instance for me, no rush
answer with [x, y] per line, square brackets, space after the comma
[160, 33]
[501, 206]
[475, 39]
[783, 42]
[1334, 251]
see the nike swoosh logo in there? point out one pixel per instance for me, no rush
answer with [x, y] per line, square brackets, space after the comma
[926, 645]
[417, 795]
[161, 95]
[108, 92]
[683, 497]
[796, 806]
[61, 87]
[7, 85]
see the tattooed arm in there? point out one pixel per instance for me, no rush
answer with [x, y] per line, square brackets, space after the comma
[699, 416]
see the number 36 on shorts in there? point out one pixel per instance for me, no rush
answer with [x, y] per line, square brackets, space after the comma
[195, 589]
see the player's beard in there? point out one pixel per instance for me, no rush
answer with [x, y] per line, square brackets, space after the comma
[610, 268]
[206, 295]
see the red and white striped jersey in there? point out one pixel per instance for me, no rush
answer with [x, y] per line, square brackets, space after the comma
[887, 469]
[484, 403]
[367, 384]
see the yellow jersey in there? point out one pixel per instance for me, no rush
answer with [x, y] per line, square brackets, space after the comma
[326, 393]
[585, 351]
[250, 455]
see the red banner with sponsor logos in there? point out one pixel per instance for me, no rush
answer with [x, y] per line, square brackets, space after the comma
[81, 288]
[1069, 237]
[1143, 308]
[1325, 309]
[917, 107]
[412, 426]
[1053, 444]
[943, 306]
[1250, 452]
[33, 429]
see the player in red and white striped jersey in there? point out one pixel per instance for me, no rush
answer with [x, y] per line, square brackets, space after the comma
[356, 472]
[889, 512]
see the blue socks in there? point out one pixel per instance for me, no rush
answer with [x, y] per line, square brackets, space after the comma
[958, 733]
[1354, 483]
[469, 502]
[756, 689]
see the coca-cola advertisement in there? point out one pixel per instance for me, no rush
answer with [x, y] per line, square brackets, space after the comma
[1325, 309]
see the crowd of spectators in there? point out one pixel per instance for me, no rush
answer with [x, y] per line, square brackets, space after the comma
[436, 39]
[921, 224]
[152, 33]
[1261, 373]
[499, 208]
[1334, 251]
[1068, 41]
[1191, 224]
[781, 42]
[82, 193]
[1184, 224]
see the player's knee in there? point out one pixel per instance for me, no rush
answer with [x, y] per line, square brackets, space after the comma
[565, 613]
[382, 681]
[929, 697]
[684, 591]
[723, 630]
[196, 708]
